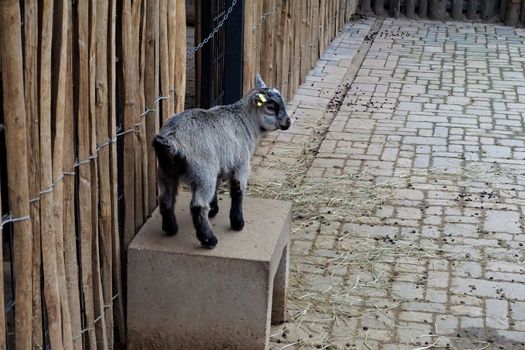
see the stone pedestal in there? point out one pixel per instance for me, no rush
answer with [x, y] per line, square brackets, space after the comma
[181, 296]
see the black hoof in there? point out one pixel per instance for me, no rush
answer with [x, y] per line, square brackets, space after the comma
[209, 242]
[213, 212]
[171, 229]
[237, 224]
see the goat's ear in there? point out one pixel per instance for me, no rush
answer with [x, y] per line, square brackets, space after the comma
[259, 83]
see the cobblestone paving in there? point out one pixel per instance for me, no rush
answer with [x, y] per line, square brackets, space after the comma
[410, 192]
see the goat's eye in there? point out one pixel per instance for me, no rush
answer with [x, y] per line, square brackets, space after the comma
[270, 108]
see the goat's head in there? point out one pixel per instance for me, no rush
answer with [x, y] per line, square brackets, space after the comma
[269, 106]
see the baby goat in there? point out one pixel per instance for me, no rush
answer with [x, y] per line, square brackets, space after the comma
[201, 147]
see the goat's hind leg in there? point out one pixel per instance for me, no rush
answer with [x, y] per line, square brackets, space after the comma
[214, 206]
[168, 192]
[200, 208]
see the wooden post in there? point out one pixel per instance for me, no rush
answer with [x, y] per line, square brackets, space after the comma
[488, 10]
[379, 7]
[180, 56]
[512, 16]
[102, 135]
[164, 61]
[410, 10]
[70, 242]
[62, 14]
[151, 91]
[86, 223]
[130, 113]
[11, 60]
[365, 6]
[472, 9]
[33, 147]
[394, 7]
[423, 8]
[248, 71]
[437, 9]
[47, 227]
[457, 9]
[118, 293]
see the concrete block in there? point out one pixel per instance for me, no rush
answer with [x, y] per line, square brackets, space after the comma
[181, 296]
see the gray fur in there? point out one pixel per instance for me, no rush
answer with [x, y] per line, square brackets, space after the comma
[216, 143]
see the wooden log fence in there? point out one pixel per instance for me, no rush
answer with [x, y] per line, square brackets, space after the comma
[284, 38]
[510, 12]
[84, 86]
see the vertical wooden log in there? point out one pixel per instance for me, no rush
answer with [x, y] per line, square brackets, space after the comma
[365, 6]
[268, 40]
[130, 113]
[379, 7]
[437, 9]
[164, 61]
[512, 15]
[457, 10]
[102, 135]
[172, 40]
[118, 294]
[410, 9]
[47, 227]
[315, 33]
[248, 69]
[138, 138]
[282, 64]
[180, 56]
[423, 8]
[100, 320]
[472, 9]
[303, 42]
[151, 91]
[143, 154]
[62, 13]
[488, 10]
[85, 194]
[258, 37]
[70, 242]
[33, 147]
[278, 49]
[394, 7]
[11, 60]
[296, 47]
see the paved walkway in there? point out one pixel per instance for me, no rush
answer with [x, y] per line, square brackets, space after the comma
[406, 164]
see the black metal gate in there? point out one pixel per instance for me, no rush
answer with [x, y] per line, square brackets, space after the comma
[219, 62]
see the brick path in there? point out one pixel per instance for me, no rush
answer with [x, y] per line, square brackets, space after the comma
[408, 178]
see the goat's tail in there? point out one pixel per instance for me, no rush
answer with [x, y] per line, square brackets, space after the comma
[167, 156]
[162, 149]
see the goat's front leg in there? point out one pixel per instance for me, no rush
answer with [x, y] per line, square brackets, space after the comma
[200, 208]
[237, 188]
[168, 191]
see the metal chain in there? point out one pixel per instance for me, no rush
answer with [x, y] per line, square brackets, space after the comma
[194, 49]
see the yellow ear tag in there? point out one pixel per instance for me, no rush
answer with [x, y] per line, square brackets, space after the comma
[262, 98]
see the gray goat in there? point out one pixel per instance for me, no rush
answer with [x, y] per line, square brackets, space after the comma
[201, 147]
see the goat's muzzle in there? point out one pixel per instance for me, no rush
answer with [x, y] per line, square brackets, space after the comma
[286, 125]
